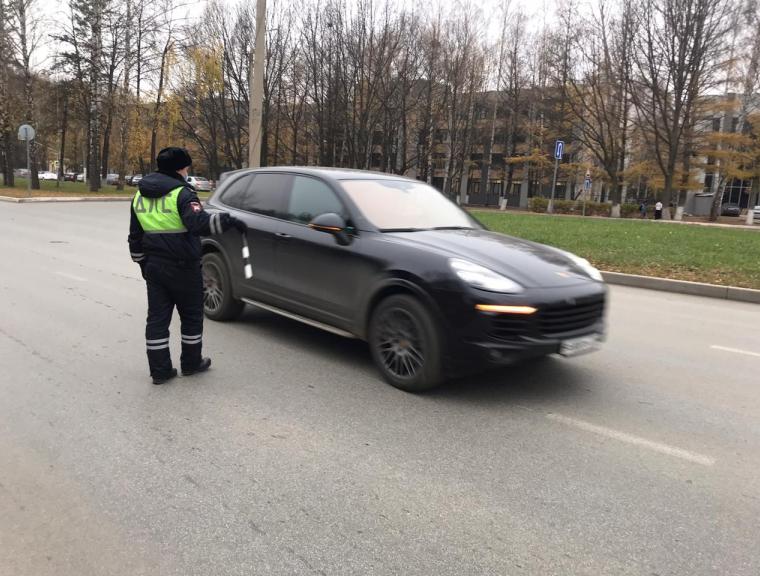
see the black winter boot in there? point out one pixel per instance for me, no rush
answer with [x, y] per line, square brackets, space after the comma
[202, 367]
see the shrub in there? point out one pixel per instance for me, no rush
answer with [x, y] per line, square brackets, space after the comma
[597, 209]
[629, 210]
[538, 204]
[565, 207]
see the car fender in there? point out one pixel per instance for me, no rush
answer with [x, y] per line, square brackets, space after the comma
[396, 282]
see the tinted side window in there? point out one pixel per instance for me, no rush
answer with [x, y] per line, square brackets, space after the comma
[309, 198]
[235, 193]
[261, 193]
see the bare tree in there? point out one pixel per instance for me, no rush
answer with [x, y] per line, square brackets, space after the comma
[97, 7]
[430, 113]
[514, 90]
[598, 91]
[485, 168]
[163, 70]
[27, 38]
[677, 55]
[739, 140]
[6, 130]
[63, 98]
[125, 99]
[113, 56]
[81, 53]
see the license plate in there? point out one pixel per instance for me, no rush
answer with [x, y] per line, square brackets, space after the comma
[577, 346]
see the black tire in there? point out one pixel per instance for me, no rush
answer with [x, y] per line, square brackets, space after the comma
[218, 301]
[406, 344]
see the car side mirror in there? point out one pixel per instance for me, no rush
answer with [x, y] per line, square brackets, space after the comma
[334, 224]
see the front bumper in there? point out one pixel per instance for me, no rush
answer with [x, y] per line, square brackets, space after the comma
[502, 354]
[478, 339]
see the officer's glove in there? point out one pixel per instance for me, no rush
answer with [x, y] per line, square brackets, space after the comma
[236, 223]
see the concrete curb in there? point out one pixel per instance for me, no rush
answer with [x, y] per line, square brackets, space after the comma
[683, 287]
[65, 199]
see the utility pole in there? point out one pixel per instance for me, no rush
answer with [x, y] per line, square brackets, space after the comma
[256, 89]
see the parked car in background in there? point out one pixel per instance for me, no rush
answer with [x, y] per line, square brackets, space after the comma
[80, 177]
[731, 209]
[47, 175]
[199, 183]
[135, 180]
[70, 177]
[21, 173]
[112, 179]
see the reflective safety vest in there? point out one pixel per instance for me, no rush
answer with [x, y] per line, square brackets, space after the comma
[159, 215]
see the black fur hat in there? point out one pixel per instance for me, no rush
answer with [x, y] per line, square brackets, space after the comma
[173, 159]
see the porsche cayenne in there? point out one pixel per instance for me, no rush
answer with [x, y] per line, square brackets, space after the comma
[392, 261]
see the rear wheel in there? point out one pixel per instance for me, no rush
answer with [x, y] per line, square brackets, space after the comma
[405, 344]
[218, 302]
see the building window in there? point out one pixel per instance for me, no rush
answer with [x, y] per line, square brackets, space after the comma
[708, 182]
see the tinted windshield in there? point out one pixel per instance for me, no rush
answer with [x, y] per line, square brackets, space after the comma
[405, 205]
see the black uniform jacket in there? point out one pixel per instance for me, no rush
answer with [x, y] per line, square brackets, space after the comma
[183, 248]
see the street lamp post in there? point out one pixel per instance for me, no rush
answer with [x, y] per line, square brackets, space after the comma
[256, 79]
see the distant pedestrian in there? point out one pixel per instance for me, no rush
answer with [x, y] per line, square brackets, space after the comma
[658, 211]
[167, 221]
[643, 210]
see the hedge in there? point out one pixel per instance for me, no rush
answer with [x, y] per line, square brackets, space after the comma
[540, 205]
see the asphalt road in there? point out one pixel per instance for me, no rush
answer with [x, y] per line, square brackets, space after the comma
[291, 456]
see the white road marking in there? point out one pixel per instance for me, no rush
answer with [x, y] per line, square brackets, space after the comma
[635, 440]
[735, 350]
[72, 277]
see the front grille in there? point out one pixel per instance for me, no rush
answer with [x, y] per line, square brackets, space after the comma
[510, 327]
[569, 317]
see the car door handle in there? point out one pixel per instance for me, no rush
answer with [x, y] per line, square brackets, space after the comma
[283, 235]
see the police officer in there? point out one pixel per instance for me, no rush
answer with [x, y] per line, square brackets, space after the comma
[167, 220]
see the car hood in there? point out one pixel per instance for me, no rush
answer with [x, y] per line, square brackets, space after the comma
[528, 263]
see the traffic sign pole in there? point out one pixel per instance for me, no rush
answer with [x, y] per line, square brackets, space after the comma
[559, 146]
[26, 132]
[586, 189]
[28, 171]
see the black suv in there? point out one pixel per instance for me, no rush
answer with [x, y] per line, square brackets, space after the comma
[391, 261]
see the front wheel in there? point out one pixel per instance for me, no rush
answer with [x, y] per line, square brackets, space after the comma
[218, 302]
[405, 344]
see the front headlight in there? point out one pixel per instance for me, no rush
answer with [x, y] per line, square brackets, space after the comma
[481, 277]
[586, 266]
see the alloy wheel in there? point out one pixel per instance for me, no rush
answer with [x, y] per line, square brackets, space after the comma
[400, 344]
[213, 292]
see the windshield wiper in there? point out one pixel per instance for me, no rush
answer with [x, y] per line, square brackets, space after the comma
[402, 229]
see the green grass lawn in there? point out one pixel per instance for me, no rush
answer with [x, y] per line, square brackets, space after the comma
[684, 252]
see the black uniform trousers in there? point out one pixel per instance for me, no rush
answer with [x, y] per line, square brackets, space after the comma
[173, 284]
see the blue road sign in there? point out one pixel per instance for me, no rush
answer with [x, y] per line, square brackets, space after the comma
[559, 146]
